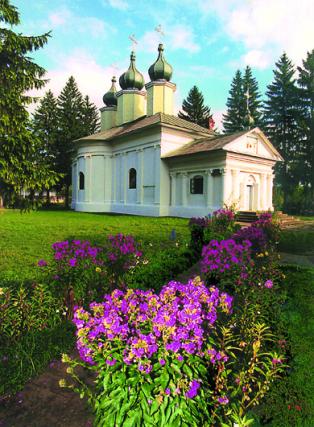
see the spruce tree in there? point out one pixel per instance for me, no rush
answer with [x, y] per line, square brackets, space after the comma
[282, 122]
[21, 166]
[250, 87]
[45, 126]
[194, 109]
[234, 119]
[306, 83]
[90, 117]
[70, 107]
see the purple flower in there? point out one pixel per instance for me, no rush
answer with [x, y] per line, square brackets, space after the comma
[162, 362]
[268, 284]
[276, 361]
[72, 262]
[111, 362]
[42, 263]
[167, 391]
[223, 400]
[193, 389]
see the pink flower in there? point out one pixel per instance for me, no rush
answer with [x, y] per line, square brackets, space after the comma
[268, 284]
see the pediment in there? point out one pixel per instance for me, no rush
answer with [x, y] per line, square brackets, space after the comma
[254, 143]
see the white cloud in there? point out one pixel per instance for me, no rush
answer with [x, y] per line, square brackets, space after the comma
[179, 37]
[92, 79]
[257, 59]
[119, 4]
[270, 27]
[65, 19]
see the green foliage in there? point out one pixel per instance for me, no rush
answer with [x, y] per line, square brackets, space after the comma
[30, 355]
[244, 98]
[21, 165]
[194, 109]
[306, 83]
[282, 124]
[296, 242]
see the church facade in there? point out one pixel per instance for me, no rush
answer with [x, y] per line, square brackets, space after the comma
[146, 161]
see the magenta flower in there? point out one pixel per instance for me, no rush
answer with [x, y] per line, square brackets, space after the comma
[42, 263]
[223, 400]
[193, 389]
[72, 262]
[268, 284]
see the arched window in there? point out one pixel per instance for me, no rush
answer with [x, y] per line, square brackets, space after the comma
[197, 185]
[132, 178]
[82, 181]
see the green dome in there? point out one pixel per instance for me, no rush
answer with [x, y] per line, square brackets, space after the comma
[110, 98]
[249, 120]
[132, 78]
[160, 70]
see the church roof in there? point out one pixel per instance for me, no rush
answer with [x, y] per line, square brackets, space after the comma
[216, 142]
[145, 122]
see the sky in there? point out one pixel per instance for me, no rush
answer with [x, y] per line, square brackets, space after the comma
[205, 41]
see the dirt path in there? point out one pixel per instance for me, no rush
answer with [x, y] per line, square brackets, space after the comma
[42, 403]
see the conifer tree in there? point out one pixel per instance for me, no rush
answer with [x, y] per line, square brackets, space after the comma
[250, 87]
[90, 117]
[234, 119]
[194, 109]
[306, 83]
[282, 121]
[70, 107]
[21, 166]
[45, 126]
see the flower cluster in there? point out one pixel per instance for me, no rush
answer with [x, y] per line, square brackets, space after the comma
[199, 221]
[224, 214]
[222, 256]
[149, 329]
[73, 252]
[255, 235]
[122, 249]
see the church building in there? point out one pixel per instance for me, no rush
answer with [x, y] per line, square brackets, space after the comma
[147, 161]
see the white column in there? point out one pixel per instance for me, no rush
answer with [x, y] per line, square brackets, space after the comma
[210, 189]
[157, 175]
[223, 187]
[125, 173]
[121, 177]
[140, 176]
[235, 187]
[173, 188]
[184, 188]
[270, 191]
[114, 178]
[263, 192]
[74, 183]
[88, 178]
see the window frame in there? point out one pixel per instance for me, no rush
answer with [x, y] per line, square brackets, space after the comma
[81, 181]
[132, 179]
[193, 188]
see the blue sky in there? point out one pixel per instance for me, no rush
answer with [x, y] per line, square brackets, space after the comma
[206, 41]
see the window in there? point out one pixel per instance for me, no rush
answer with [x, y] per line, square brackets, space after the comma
[132, 178]
[196, 185]
[82, 181]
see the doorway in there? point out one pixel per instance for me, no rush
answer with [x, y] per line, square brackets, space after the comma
[249, 197]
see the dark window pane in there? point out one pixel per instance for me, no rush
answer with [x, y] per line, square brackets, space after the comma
[132, 178]
[196, 185]
[82, 181]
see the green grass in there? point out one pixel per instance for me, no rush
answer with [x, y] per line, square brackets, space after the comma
[297, 241]
[27, 237]
[305, 218]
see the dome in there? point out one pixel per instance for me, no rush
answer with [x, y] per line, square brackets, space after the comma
[110, 98]
[160, 70]
[249, 120]
[132, 78]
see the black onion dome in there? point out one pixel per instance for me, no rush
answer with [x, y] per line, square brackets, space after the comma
[132, 78]
[110, 97]
[160, 70]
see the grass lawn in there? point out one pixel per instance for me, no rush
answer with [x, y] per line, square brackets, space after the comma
[27, 237]
[306, 218]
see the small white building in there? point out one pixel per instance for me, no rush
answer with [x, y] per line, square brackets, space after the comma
[146, 161]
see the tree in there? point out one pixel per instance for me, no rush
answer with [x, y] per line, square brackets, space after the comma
[282, 121]
[90, 117]
[251, 91]
[71, 127]
[194, 109]
[21, 166]
[45, 126]
[306, 83]
[234, 119]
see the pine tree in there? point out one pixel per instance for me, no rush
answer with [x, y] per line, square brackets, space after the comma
[194, 109]
[282, 121]
[70, 106]
[21, 166]
[234, 119]
[90, 117]
[250, 86]
[45, 126]
[306, 83]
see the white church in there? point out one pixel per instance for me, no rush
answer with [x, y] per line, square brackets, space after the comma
[147, 161]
